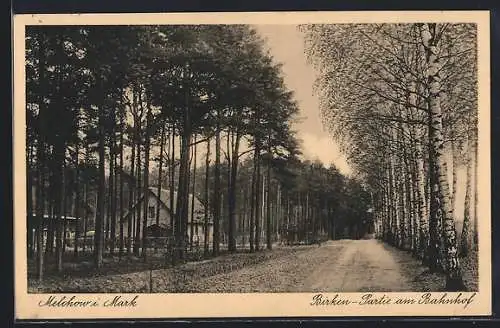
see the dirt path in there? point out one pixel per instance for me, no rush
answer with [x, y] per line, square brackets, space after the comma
[341, 265]
[364, 265]
[335, 266]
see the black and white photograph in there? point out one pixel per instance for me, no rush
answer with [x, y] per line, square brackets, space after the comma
[307, 157]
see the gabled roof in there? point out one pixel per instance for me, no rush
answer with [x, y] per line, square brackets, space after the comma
[164, 196]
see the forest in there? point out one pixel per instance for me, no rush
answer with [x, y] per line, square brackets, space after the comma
[114, 111]
[402, 100]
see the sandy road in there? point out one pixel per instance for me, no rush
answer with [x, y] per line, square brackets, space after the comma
[341, 265]
[362, 265]
[335, 266]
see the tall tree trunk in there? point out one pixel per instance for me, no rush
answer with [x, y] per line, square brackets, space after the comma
[207, 200]
[224, 217]
[394, 199]
[99, 223]
[172, 182]
[131, 194]
[122, 203]
[183, 196]
[262, 207]
[92, 248]
[251, 226]
[51, 225]
[86, 201]
[416, 199]
[145, 191]
[227, 217]
[434, 260]
[40, 209]
[440, 202]
[454, 175]
[278, 212]
[476, 184]
[112, 196]
[140, 197]
[41, 162]
[59, 207]
[269, 240]
[233, 164]
[77, 197]
[388, 204]
[412, 199]
[423, 214]
[160, 174]
[408, 191]
[115, 217]
[191, 230]
[107, 201]
[184, 178]
[258, 201]
[465, 242]
[408, 197]
[297, 215]
[189, 192]
[244, 216]
[403, 206]
[29, 208]
[84, 217]
[216, 195]
[65, 221]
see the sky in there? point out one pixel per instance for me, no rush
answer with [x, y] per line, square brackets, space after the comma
[286, 44]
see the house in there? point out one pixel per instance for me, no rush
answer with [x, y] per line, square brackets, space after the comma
[196, 221]
[86, 216]
[68, 223]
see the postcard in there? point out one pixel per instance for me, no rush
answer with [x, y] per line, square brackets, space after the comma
[258, 164]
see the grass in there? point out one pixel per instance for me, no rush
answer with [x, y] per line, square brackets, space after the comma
[423, 280]
[132, 274]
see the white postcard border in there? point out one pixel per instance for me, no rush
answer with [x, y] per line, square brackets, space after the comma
[261, 304]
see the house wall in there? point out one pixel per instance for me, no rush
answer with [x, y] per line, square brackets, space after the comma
[165, 220]
[152, 201]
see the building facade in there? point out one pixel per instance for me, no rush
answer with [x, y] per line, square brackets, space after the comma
[159, 223]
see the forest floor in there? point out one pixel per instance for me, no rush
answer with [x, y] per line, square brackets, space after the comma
[335, 266]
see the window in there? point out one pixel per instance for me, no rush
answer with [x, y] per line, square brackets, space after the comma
[152, 212]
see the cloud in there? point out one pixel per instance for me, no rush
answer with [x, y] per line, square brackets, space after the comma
[323, 148]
